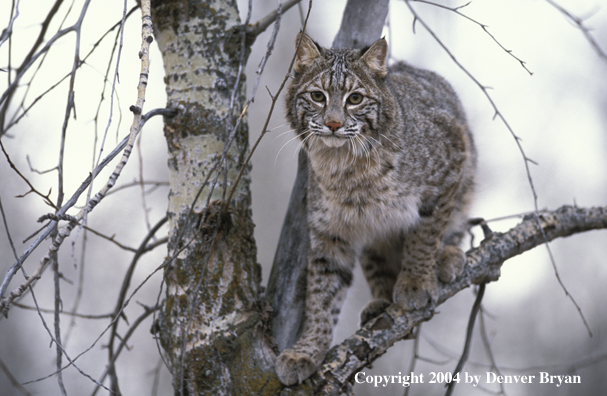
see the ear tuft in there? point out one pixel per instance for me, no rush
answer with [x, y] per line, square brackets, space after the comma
[375, 57]
[306, 53]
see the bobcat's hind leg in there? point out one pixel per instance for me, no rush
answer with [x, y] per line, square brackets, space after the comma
[417, 283]
[380, 263]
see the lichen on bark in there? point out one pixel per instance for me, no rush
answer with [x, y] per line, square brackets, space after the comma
[213, 280]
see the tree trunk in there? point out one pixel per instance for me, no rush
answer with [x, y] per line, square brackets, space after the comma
[209, 320]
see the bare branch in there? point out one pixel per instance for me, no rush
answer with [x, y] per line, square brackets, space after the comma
[27, 61]
[18, 116]
[58, 343]
[72, 201]
[8, 31]
[485, 338]
[138, 183]
[77, 315]
[64, 232]
[122, 295]
[579, 22]
[416, 336]
[517, 139]
[485, 90]
[8, 232]
[260, 69]
[569, 367]
[260, 26]
[484, 263]
[57, 323]
[13, 380]
[481, 25]
[46, 197]
[111, 364]
[110, 239]
[466, 353]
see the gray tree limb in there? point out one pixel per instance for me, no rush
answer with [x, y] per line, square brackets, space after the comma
[484, 263]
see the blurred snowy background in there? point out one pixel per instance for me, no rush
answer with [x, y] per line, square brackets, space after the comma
[559, 112]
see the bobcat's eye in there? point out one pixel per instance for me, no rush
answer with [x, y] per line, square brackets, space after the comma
[355, 98]
[317, 96]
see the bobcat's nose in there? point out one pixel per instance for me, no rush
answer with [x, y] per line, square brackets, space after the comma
[333, 126]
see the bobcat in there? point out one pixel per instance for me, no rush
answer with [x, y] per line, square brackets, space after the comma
[392, 164]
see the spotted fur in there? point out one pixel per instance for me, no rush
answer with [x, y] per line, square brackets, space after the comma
[390, 181]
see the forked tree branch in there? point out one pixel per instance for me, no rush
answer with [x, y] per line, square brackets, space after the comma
[255, 29]
[484, 263]
[579, 22]
[138, 120]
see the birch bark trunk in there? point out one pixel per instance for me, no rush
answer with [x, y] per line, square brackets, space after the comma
[208, 320]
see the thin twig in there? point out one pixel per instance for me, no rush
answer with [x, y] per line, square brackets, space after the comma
[260, 26]
[8, 31]
[57, 323]
[112, 361]
[138, 183]
[579, 22]
[126, 303]
[5, 302]
[46, 198]
[12, 379]
[74, 314]
[28, 61]
[17, 117]
[416, 336]
[487, 344]
[135, 128]
[567, 367]
[79, 290]
[481, 25]
[144, 202]
[156, 381]
[274, 98]
[116, 44]
[110, 239]
[526, 159]
[8, 232]
[466, 353]
[149, 247]
[59, 344]
[123, 292]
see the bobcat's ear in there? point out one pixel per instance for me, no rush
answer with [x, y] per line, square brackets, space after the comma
[306, 53]
[375, 57]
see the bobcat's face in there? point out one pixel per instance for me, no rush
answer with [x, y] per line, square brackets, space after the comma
[336, 101]
[337, 112]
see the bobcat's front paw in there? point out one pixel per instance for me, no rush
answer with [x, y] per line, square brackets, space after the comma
[413, 293]
[451, 262]
[373, 309]
[294, 367]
